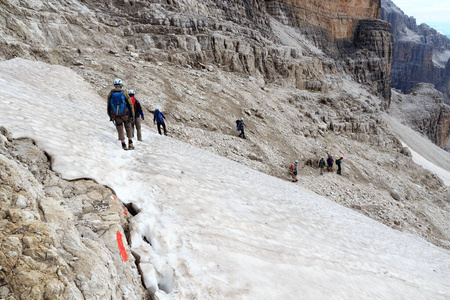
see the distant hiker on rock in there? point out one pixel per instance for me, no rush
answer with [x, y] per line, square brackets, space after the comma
[121, 112]
[240, 127]
[330, 163]
[158, 118]
[294, 170]
[322, 165]
[138, 113]
[338, 163]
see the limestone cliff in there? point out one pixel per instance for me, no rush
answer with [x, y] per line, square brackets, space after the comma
[420, 52]
[338, 19]
[237, 36]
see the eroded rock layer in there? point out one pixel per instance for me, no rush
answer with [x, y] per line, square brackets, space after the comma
[59, 239]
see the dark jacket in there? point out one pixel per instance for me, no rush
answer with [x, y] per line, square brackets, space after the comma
[240, 125]
[330, 161]
[158, 117]
[137, 107]
[321, 163]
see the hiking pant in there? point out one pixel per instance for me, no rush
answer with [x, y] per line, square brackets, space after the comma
[242, 134]
[137, 124]
[339, 169]
[120, 123]
[159, 127]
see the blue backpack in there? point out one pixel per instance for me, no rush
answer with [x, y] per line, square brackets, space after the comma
[118, 103]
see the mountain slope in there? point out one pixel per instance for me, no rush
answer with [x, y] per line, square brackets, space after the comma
[208, 227]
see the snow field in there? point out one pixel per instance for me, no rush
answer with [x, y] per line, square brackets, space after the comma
[211, 228]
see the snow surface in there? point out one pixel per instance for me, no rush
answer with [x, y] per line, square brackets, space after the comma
[215, 229]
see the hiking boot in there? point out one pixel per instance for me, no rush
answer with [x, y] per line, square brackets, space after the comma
[124, 146]
[130, 146]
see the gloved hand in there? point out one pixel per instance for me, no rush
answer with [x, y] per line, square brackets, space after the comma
[111, 118]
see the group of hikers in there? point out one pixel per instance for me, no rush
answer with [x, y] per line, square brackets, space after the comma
[125, 111]
[329, 163]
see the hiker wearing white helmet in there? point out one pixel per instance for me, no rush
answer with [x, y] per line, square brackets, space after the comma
[159, 119]
[121, 112]
[240, 127]
[138, 113]
[330, 162]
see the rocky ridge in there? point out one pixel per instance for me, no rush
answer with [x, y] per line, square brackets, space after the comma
[234, 36]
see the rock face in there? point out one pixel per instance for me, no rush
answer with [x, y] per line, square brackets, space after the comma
[338, 19]
[59, 238]
[423, 109]
[420, 52]
[239, 37]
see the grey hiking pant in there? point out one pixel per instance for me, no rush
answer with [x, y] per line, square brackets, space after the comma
[137, 124]
[120, 123]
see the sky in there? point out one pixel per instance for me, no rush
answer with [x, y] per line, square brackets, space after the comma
[217, 229]
[435, 13]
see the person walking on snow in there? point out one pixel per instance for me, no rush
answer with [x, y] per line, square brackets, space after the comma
[330, 163]
[338, 163]
[121, 112]
[138, 115]
[240, 127]
[322, 165]
[295, 171]
[158, 118]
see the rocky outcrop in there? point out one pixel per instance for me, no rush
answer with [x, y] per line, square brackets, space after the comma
[420, 52]
[372, 58]
[59, 239]
[423, 109]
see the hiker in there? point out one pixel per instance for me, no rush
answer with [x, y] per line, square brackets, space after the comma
[158, 118]
[322, 165]
[121, 113]
[338, 163]
[294, 170]
[138, 115]
[240, 127]
[330, 163]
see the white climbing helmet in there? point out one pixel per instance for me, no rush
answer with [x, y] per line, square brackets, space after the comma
[118, 82]
[131, 92]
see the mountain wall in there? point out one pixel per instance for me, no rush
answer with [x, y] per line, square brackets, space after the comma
[420, 52]
[421, 55]
[237, 36]
[338, 19]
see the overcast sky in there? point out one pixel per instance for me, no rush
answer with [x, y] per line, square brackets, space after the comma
[435, 13]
